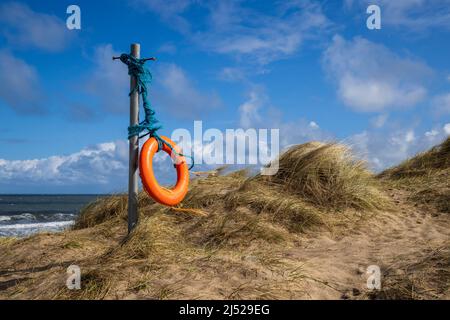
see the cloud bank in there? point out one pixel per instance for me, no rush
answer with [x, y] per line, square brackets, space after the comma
[102, 167]
[371, 78]
[232, 28]
[24, 28]
[20, 89]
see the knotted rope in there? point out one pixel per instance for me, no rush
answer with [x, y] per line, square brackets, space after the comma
[137, 69]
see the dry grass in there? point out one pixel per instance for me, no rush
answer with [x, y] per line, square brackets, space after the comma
[435, 159]
[328, 175]
[210, 192]
[427, 278]
[155, 237]
[101, 210]
[107, 209]
[317, 185]
[244, 214]
[7, 241]
[426, 176]
[96, 284]
[279, 207]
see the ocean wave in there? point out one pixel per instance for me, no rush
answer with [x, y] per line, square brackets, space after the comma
[24, 229]
[15, 217]
[38, 217]
[24, 216]
[63, 215]
[55, 224]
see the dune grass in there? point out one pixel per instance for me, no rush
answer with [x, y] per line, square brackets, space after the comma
[426, 176]
[434, 160]
[329, 176]
[427, 278]
[317, 185]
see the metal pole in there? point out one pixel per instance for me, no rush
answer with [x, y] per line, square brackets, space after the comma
[133, 187]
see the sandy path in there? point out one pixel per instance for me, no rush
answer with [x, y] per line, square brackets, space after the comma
[336, 268]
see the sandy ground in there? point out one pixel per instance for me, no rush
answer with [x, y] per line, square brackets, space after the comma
[409, 245]
[394, 242]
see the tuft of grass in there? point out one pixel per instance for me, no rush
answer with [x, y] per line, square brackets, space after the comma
[284, 208]
[155, 237]
[95, 285]
[107, 209]
[101, 210]
[423, 164]
[211, 191]
[426, 176]
[428, 278]
[328, 176]
[234, 229]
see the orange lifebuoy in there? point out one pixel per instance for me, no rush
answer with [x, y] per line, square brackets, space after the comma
[169, 197]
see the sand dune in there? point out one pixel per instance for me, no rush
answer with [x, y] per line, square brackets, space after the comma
[309, 232]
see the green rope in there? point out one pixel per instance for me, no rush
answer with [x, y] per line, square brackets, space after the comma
[143, 77]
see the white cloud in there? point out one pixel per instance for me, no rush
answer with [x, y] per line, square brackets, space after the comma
[441, 104]
[379, 121]
[177, 94]
[371, 78]
[260, 37]
[234, 29]
[168, 47]
[171, 89]
[410, 15]
[447, 128]
[244, 32]
[94, 169]
[384, 145]
[431, 134]
[300, 131]
[24, 27]
[232, 74]
[98, 165]
[168, 11]
[409, 136]
[19, 87]
[249, 110]
[386, 148]
[109, 81]
[257, 112]
[314, 125]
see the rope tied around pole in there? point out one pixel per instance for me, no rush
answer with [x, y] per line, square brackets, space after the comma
[137, 69]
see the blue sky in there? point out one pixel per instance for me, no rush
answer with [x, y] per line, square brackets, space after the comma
[310, 68]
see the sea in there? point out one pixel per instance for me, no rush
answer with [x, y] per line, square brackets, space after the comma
[24, 215]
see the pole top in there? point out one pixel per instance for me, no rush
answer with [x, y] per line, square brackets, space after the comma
[145, 59]
[136, 51]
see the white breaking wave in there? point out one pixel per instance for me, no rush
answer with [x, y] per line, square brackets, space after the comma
[56, 224]
[24, 216]
[23, 229]
[33, 217]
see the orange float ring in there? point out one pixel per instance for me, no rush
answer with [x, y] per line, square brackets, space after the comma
[168, 197]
